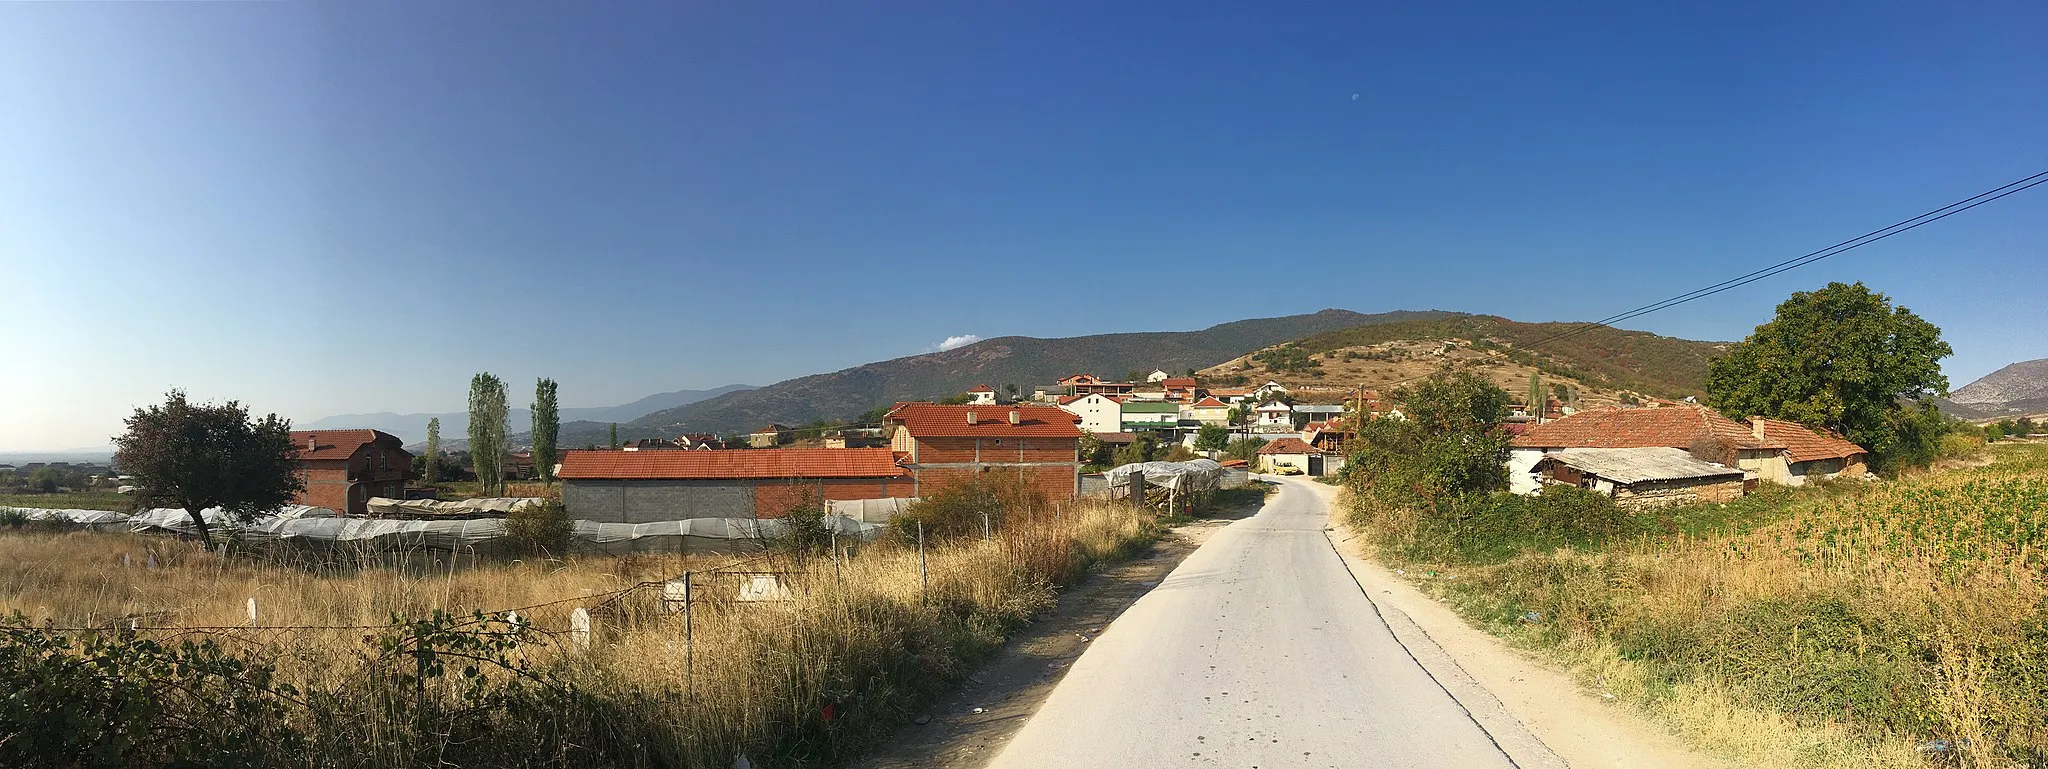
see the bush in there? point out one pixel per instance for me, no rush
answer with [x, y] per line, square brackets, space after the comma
[540, 529]
[12, 519]
[961, 509]
[1959, 445]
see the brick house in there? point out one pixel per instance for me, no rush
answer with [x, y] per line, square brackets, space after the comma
[941, 445]
[343, 469]
[1088, 384]
[648, 486]
[1179, 388]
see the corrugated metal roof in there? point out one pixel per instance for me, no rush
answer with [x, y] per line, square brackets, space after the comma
[1627, 466]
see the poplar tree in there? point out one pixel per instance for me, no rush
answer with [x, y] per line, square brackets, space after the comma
[433, 474]
[487, 432]
[547, 422]
[615, 436]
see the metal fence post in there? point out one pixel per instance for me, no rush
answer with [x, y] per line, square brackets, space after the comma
[689, 639]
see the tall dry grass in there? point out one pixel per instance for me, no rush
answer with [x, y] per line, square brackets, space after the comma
[859, 645]
[1902, 614]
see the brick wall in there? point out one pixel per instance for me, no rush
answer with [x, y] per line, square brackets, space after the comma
[994, 450]
[774, 498]
[1054, 481]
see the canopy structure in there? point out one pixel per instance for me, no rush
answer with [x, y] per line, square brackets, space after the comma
[1190, 477]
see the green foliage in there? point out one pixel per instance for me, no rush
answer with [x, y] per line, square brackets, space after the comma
[806, 530]
[1093, 451]
[615, 437]
[1139, 450]
[1608, 357]
[1179, 453]
[11, 518]
[1212, 438]
[430, 464]
[1246, 449]
[48, 479]
[960, 510]
[1450, 445]
[1287, 358]
[195, 456]
[487, 412]
[1842, 357]
[547, 423]
[539, 530]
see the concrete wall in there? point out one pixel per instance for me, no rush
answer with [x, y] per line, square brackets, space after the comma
[608, 501]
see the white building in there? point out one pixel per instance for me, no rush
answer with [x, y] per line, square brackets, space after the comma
[1156, 377]
[1099, 413]
[981, 395]
[1275, 417]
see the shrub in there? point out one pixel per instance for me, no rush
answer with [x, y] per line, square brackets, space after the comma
[963, 508]
[12, 518]
[539, 529]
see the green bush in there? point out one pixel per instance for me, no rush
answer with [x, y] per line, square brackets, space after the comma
[960, 510]
[542, 529]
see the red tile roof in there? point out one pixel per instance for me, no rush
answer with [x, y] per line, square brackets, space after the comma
[1613, 427]
[734, 464]
[931, 419]
[1288, 445]
[1805, 444]
[981, 389]
[1210, 403]
[336, 444]
[1178, 382]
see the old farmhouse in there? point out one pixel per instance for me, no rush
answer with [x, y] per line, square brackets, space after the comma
[1642, 478]
[343, 469]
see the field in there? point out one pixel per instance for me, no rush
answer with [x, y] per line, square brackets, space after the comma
[72, 500]
[1888, 624]
[371, 669]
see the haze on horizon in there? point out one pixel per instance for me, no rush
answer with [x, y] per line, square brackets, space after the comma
[322, 208]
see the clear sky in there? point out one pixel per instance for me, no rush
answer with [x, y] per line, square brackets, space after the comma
[320, 208]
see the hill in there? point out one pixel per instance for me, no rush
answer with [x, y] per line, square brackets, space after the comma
[1019, 360]
[1601, 364]
[2020, 389]
[455, 424]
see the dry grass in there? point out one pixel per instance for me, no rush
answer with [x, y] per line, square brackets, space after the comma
[1871, 617]
[854, 651]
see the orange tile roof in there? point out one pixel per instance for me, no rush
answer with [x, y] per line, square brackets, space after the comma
[931, 419]
[1177, 382]
[731, 464]
[981, 388]
[1288, 445]
[335, 444]
[1805, 444]
[1613, 427]
[1210, 403]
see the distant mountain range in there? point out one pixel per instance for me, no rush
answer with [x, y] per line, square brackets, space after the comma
[2020, 389]
[455, 424]
[1020, 360]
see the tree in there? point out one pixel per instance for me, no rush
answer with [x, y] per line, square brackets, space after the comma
[1212, 438]
[1246, 449]
[1450, 445]
[547, 423]
[487, 432]
[1092, 450]
[1842, 358]
[1536, 400]
[46, 479]
[1994, 432]
[194, 456]
[433, 464]
[615, 436]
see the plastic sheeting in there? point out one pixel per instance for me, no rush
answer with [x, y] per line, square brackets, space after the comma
[1184, 477]
[871, 510]
[491, 507]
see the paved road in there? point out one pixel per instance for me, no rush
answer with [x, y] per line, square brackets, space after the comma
[1259, 651]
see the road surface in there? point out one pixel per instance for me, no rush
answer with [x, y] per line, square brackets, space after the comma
[1260, 650]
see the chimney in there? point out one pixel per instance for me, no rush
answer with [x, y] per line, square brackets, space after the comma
[312, 441]
[1756, 428]
[973, 418]
[1016, 417]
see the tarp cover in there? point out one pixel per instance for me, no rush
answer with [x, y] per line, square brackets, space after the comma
[871, 510]
[493, 507]
[1185, 477]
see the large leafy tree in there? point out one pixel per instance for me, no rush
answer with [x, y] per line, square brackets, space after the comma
[1451, 443]
[1842, 358]
[547, 423]
[1212, 438]
[487, 432]
[193, 456]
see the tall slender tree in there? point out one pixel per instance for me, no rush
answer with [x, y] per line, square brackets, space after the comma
[487, 432]
[547, 422]
[615, 436]
[1536, 396]
[433, 473]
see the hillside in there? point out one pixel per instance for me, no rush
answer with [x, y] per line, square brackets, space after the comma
[1020, 360]
[2020, 389]
[1600, 364]
[454, 424]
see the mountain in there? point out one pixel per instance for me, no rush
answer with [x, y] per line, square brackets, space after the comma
[1019, 360]
[455, 424]
[1601, 365]
[2020, 389]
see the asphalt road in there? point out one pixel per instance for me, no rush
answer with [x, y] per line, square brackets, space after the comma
[1260, 650]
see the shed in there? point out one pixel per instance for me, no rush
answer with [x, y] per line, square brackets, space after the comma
[1642, 477]
[648, 486]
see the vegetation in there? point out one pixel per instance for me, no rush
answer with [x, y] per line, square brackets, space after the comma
[72, 500]
[1864, 618]
[1450, 446]
[1246, 449]
[1842, 358]
[540, 529]
[857, 648]
[487, 431]
[195, 456]
[1287, 358]
[430, 464]
[1212, 438]
[547, 422]
[1608, 357]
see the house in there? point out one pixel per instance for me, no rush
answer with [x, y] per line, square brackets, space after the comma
[701, 442]
[1099, 413]
[651, 444]
[1085, 384]
[1051, 393]
[343, 469]
[1275, 417]
[1642, 477]
[1230, 395]
[1150, 415]
[1157, 376]
[516, 466]
[1668, 425]
[1317, 412]
[1810, 452]
[649, 486]
[943, 445]
[1271, 389]
[1290, 452]
[1333, 438]
[1208, 411]
[981, 395]
[769, 436]
[1181, 388]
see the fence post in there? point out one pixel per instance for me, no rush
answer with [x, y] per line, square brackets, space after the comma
[252, 611]
[689, 639]
[579, 628]
[984, 525]
[836, 578]
[924, 577]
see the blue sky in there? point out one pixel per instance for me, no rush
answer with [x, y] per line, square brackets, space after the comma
[323, 208]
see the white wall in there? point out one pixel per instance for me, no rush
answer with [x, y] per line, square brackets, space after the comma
[1520, 462]
[1098, 414]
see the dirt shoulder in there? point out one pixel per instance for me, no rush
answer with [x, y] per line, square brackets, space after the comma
[965, 729]
[1495, 681]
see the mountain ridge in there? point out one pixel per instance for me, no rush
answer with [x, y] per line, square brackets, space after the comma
[412, 428]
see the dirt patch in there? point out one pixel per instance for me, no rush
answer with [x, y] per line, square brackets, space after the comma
[967, 728]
